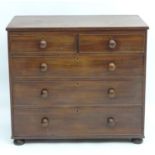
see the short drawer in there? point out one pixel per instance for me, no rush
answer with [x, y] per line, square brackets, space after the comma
[77, 93]
[42, 42]
[111, 43]
[80, 66]
[77, 122]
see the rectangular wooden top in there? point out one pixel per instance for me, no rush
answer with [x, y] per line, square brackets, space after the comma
[28, 23]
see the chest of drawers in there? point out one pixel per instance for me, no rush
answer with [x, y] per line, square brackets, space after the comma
[77, 77]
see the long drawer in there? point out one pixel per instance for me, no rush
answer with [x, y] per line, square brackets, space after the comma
[84, 122]
[78, 66]
[77, 93]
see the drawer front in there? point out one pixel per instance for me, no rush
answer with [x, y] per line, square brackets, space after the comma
[81, 122]
[111, 43]
[77, 93]
[95, 66]
[42, 42]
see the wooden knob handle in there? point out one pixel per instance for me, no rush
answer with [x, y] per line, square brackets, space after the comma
[43, 44]
[44, 122]
[111, 122]
[111, 66]
[112, 44]
[44, 93]
[43, 67]
[111, 93]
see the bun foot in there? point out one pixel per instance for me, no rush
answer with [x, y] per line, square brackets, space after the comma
[19, 141]
[137, 140]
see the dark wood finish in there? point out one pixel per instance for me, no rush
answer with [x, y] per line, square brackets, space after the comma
[77, 122]
[89, 22]
[19, 141]
[78, 66]
[111, 43]
[137, 140]
[78, 93]
[77, 77]
[51, 42]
